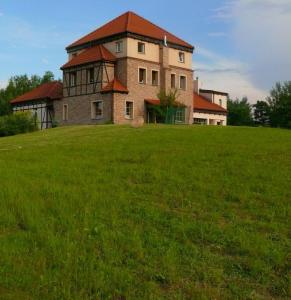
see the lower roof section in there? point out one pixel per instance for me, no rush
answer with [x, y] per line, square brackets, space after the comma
[50, 90]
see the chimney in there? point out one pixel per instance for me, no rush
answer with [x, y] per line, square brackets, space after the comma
[196, 85]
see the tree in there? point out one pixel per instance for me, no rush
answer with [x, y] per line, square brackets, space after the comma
[261, 113]
[239, 112]
[18, 85]
[280, 105]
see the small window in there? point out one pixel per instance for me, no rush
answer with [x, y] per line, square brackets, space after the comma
[200, 121]
[97, 110]
[183, 82]
[155, 77]
[129, 109]
[173, 81]
[142, 73]
[181, 57]
[74, 54]
[141, 47]
[65, 112]
[90, 75]
[118, 47]
[73, 79]
[220, 102]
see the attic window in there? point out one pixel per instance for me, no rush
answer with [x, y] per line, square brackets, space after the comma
[181, 57]
[141, 47]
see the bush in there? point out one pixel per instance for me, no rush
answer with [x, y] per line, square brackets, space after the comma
[20, 122]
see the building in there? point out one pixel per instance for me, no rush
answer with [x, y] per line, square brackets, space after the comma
[41, 102]
[112, 72]
[207, 111]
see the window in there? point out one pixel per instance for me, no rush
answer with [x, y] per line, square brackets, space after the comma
[183, 82]
[180, 116]
[73, 78]
[90, 75]
[97, 110]
[142, 74]
[155, 77]
[200, 121]
[65, 112]
[173, 81]
[220, 102]
[118, 46]
[181, 57]
[74, 54]
[129, 109]
[141, 47]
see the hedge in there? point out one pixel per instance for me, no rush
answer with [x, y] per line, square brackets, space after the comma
[20, 122]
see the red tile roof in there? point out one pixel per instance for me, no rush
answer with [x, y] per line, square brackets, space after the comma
[152, 101]
[130, 23]
[93, 54]
[50, 90]
[114, 86]
[201, 103]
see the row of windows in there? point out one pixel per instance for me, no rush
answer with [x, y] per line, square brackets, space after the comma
[97, 108]
[141, 49]
[142, 79]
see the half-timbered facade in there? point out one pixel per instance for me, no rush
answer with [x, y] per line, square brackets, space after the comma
[40, 102]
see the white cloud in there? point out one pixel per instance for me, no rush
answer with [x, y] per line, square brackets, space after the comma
[225, 74]
[261, 34]
[3, 84]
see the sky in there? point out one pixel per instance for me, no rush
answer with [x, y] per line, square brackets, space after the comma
[242, 47]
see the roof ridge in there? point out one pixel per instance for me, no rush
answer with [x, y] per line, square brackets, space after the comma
[129, 13]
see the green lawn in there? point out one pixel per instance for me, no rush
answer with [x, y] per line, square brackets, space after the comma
[160, 212]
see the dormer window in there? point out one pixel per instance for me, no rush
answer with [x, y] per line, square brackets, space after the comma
[118, 47]
[141, 47]
[181, 57]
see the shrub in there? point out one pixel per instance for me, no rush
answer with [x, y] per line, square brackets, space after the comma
[20, 122]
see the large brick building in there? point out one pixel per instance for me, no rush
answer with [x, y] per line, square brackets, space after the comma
[114, 72]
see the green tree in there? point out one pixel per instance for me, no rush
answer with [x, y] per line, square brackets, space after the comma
[261, 113]
[239, 112]
[18, 85]
[280, 105]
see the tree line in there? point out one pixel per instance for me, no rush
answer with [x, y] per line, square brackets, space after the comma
[18, 85]
[275, 111]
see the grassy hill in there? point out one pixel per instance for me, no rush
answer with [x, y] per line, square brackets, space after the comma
[163, 212]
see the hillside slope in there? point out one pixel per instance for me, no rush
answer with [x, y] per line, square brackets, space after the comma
[163, 212]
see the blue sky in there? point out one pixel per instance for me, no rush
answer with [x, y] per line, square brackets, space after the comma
[242, 47]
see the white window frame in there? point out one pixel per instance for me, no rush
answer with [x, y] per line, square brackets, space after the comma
[180, 76]
[70, 78]
[65, 112]
[119, 46]
[175, 80]
[183, 57]
[125, 112]
[93, 110]
[146, 75]
[158, 78]
[144, 46]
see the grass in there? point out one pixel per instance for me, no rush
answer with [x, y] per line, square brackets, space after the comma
[165, 212]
